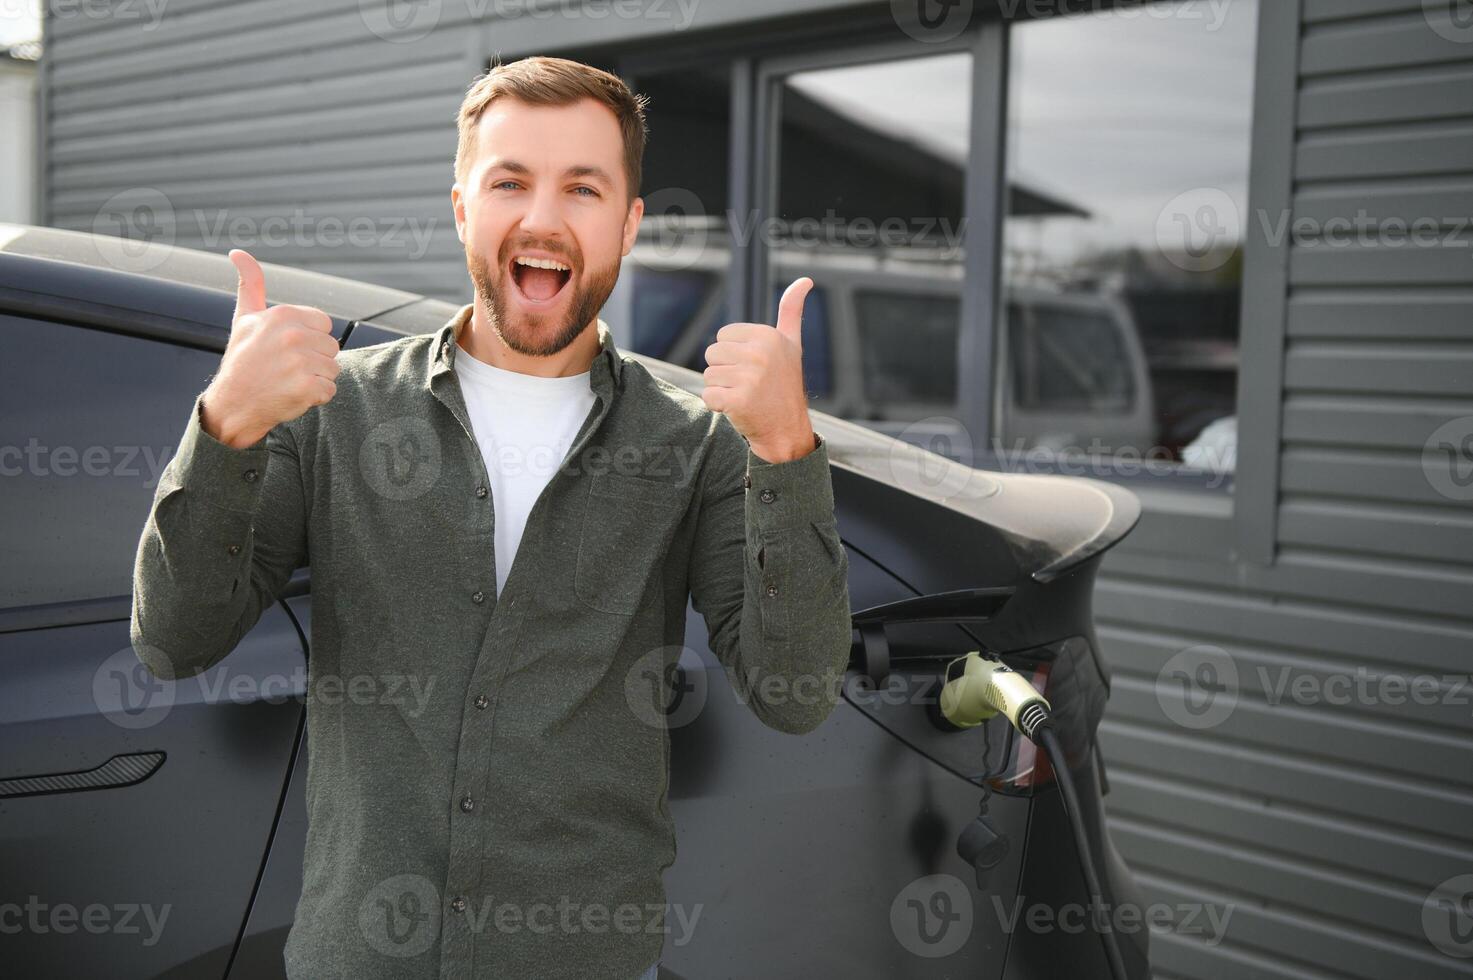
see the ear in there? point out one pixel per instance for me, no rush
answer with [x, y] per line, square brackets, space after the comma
[631, 223]
[457, 205]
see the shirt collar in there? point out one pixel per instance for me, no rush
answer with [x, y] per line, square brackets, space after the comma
[608, 364]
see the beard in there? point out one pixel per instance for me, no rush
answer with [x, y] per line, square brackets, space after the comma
[529, 333]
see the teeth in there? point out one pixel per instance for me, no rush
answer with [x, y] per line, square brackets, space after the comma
[540, 263]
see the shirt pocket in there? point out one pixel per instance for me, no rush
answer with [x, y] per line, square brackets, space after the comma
[626, 531]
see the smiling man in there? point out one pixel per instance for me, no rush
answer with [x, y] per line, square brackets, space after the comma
[515, 515]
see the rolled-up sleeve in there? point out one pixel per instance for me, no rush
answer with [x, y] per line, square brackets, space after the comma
[224, 533]
[770, 575]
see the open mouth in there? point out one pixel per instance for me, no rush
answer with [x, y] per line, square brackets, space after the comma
[539, 280]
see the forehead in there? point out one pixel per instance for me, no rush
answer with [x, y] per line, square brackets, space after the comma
[584, 133]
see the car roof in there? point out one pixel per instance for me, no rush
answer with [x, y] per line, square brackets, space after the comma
[345, 298]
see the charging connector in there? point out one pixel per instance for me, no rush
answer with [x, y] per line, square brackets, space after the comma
[987, 688]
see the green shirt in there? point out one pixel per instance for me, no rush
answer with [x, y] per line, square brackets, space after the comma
[493, 801]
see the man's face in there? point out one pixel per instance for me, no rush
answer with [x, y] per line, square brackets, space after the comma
[546, 188]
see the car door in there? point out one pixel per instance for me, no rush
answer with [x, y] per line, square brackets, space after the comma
[134, 812]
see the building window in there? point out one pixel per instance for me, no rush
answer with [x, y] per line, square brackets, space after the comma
[868, 194]
[1128, 137]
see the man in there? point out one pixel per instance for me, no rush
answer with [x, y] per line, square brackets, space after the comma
[513, 822]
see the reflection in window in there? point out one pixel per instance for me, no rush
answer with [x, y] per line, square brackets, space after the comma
[1128, 140]
[664, 303]
[1068, 358]
[899, 337]
[674, 274]
[869, 204]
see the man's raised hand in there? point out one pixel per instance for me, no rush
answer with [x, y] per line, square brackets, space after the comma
[278, 363]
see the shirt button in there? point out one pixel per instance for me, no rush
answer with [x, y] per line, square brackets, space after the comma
[467, 804]
[478, 597]
[249, 476]
[458, 903]
[772, 590]
[481, 701]
[769, 495]
[481, 491]
[234, 549]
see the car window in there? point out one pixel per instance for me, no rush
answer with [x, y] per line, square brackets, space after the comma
[91, 419]
[664, 302]
[1068, 359]
[907, 346]
[817, 350]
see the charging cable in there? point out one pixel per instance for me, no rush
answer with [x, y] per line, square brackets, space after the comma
[989, 687]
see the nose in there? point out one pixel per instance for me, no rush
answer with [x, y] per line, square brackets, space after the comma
[542, 218]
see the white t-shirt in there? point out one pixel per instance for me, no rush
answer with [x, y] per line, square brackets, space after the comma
[524, 426]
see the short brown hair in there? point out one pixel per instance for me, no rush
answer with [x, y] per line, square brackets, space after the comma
[555, 82]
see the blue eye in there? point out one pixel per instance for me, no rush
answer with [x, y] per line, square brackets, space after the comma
[590, 190]
[503, 183]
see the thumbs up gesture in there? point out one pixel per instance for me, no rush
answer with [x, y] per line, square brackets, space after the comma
[755, 376]
[278, 363]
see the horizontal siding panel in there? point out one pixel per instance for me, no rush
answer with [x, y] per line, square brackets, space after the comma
[384, 116]
[258, 106]
[432, 149]
[1268, 680]
[1405, 260]
[1363, 474]
[1392, 42]
[1393, 97]
[1444, 534]
[1384, 314]
[1429, 370]
[1279, 879]
[1324, 838]
[1284, 935]
[276, 66]
[1319, 11]
[1390, 584]
[1354, 634]
[1273, 775]
[1350, 420]
[1402, 207]
[1394, 151]
[1319, 734]
[195, 22]
[319, 187]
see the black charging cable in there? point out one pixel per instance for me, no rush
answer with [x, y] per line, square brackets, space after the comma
[989, 687]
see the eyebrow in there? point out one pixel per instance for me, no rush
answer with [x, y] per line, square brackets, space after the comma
[584, 171]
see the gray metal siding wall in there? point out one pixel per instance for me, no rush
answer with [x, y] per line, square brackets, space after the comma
[1324, 827]
[252, 110]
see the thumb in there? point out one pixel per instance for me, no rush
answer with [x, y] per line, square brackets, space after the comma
[250, 290]
[790, 309]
